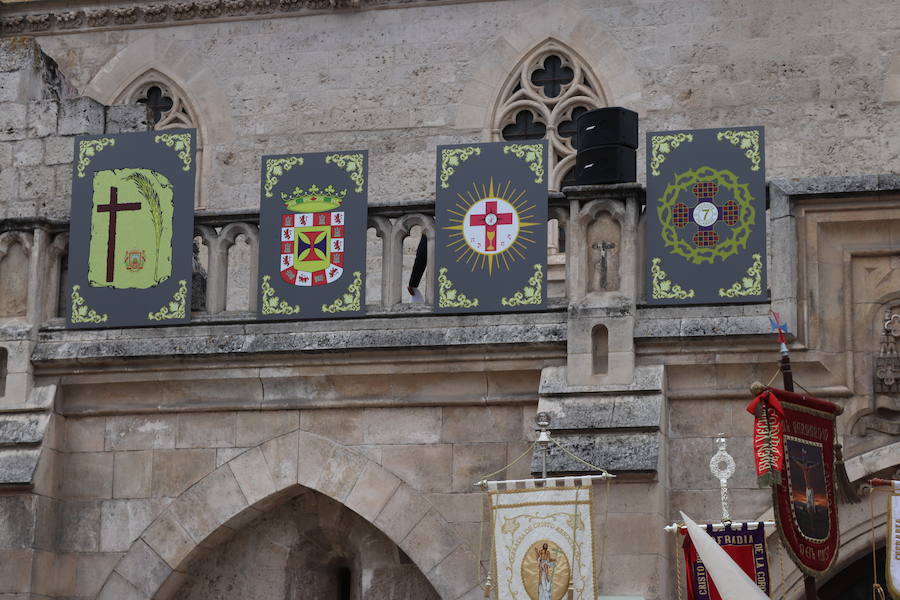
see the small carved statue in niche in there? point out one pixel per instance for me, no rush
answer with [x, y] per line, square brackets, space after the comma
[887, 363]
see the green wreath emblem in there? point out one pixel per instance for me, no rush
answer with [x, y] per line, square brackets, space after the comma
[740, 233]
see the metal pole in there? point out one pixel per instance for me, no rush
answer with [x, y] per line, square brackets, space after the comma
[787, 377]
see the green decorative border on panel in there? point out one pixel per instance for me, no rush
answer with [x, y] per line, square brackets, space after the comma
[176, 308]
[660, 145]
[351, 298]
[745, 140]
[81, 312]
[531, 294]
[750, 284]
[663, 287]
[533, 154]
[453, 157]
[449, 297]
[276, 167]
[272, 304]
[88, 148]
[353, 164]
[180, 143]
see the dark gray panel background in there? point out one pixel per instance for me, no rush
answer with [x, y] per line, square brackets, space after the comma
[706, 279]
[130, 306]
[314, 170]
[479, 169]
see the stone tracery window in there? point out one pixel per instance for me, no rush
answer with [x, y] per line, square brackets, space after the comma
[170, 107]
[542, 98]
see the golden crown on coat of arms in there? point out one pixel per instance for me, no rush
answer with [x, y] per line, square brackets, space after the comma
[313, 199]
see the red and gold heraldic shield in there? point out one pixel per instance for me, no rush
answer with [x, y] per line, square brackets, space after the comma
[312, 248]
[804, 499]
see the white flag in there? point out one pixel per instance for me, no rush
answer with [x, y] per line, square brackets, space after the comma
[543, 542]
[730, 579]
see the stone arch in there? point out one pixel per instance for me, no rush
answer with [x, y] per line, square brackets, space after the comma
[855, 519]
[548, 22]
[179, 67]
[261, 478]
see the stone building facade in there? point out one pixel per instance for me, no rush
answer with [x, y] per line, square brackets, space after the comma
[237, 459]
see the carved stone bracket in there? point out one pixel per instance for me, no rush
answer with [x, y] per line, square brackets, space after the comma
[160, 12]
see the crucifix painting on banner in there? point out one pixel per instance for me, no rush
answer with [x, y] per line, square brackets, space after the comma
[312, 239]
[130, 252]
[491, 227]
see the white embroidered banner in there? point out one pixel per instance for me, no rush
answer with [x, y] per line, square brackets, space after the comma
[892, 545]
[543, 541]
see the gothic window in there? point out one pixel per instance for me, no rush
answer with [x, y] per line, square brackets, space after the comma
[170, 109]
[541, 99]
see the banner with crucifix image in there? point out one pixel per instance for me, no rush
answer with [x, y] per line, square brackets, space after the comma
[132, 222]
[706, 216]
[312, 235]
[491, 227]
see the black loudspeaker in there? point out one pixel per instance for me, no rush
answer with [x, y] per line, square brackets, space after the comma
[605, 126]
[605, 164]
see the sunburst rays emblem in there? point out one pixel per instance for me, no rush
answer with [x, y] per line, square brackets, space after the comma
[491, 226]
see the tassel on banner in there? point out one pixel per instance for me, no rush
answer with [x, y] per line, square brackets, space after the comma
[767, 436]
[844, 490]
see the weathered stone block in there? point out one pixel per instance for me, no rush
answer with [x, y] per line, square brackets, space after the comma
[205, 430]
[340, 473]
[430, 541]
[36, 183]
[471, 462]
[255, 427]
[79, 526]
[53, 573]
[405, 508]
[91, 571]
[123, 118]
[88, 475]
[169, 539]
[461, 507]
[122, 521]
[22, 429]
[13, 84]
[372, 491]
[79, 116]
[17, 521]
[85, 435]
[117, 588]
[42, 115]
[445, 575]
[282, 457]
[18, 53]
[58, 151]
[209, 504]
[408, 426]
[252, 474]
[176, 470]
[346, 426]
[17, 466]
[314, 452]
[12, 121]
[140, 432]
[426, 468]
[15, 569]
[27, 153]
[612, 451]
[481, 423]
[132, 474]
[143, 568]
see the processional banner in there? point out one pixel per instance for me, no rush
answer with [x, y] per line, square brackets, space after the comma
[543, 542]
[797, 447]
[491, 227]
[131, 231]
[744, 543]
[706, 216]
[312, 235]
[892, 543]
